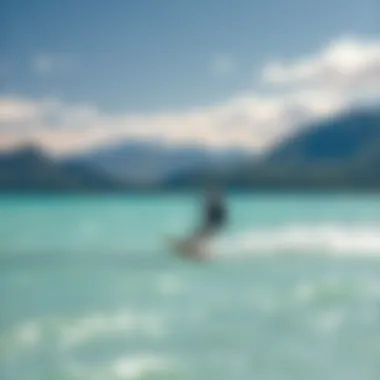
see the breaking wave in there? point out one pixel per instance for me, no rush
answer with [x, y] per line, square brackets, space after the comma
[335, 239]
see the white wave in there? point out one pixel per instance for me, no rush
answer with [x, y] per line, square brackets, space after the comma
[141, 365]
[68, 333]
[25, 335]
[337, 239]
[84, 329]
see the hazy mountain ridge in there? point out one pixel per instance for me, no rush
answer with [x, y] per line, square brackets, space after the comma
[29, 169]
[342, 152]
[146, 162]
[335, 140]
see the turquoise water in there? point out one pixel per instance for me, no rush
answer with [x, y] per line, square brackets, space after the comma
[89, 290]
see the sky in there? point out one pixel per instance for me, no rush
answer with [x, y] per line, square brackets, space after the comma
[75, 74]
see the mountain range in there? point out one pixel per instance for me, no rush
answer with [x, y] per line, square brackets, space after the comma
[28, 169]
[148, 163]
[339, 152]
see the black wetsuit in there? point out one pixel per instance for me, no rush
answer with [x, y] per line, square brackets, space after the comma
[215, 216]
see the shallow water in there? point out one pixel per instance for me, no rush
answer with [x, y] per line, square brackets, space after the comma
[89, 290]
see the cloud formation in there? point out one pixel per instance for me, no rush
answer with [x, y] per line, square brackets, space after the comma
[347, 64]
[302, 91]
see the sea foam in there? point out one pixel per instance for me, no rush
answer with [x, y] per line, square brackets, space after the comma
[325, 238]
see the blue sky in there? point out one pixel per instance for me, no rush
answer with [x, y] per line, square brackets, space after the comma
[129, 59]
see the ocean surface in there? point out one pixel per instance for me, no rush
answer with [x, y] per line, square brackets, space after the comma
[89, 290]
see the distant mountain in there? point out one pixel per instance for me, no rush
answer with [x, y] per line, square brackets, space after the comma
[341, 140]
[150, 163]
[342, 152]
[338, 153]
[28, 169]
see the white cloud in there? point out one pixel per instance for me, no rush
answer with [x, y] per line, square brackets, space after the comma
[223, 64]
[347, 64]
[305, 90]
[15, 110]
[45, 64]
[250, 122]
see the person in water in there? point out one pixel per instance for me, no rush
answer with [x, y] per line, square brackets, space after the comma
[214, 214]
